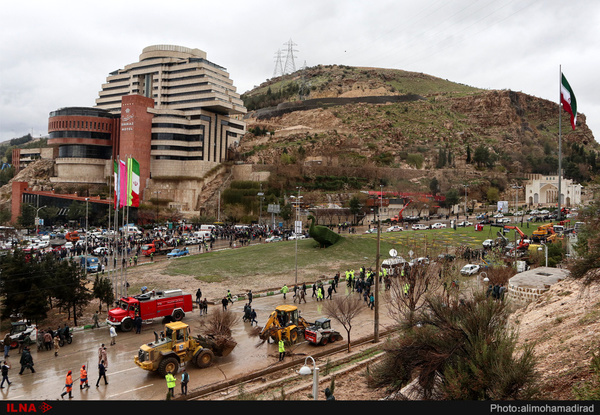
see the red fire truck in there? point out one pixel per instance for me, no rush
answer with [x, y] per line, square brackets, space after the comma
[156, 247]
[169, 304]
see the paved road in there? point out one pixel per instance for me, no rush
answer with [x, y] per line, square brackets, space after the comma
[128, 382]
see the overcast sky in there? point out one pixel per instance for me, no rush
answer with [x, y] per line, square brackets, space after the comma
[56, 54]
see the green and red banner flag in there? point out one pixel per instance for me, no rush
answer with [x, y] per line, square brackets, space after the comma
[567, 99]
[133, 182]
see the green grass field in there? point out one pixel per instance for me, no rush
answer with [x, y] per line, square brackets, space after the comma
[352, 252]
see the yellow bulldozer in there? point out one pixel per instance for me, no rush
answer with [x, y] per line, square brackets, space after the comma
[284, 323]
[176, 345]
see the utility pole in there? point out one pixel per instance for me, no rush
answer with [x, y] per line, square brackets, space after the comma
[377, 270]
[465, 186]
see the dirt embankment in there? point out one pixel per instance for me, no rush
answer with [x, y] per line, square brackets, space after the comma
[564, 328]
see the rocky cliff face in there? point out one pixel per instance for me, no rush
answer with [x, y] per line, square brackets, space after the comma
[563, 327]
[517, 129]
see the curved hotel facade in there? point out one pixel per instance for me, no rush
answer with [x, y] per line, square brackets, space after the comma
[173, 111]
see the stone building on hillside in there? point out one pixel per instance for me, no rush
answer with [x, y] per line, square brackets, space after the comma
[542, 190]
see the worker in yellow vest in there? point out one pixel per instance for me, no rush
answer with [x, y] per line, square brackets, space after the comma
[281, 350]
[170, 384]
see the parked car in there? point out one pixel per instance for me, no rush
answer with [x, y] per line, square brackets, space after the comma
[470, 269]
[177, 253]
[499, 215]
[395, 228]
[488, 243]
[274, 239]
[419, 226]
[464, 223]
[372, 230]
[446, 257]
[503, 220]
[419, 261]
[192, 240]
[293, 237]
[101, 250]
[438, 225]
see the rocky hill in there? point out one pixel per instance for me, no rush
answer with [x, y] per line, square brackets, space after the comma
[406, 128]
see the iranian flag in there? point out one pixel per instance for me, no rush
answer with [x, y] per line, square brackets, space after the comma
[133, 184]
[567, 99]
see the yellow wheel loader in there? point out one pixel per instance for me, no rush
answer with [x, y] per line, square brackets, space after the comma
[176, 346]
[284, 323]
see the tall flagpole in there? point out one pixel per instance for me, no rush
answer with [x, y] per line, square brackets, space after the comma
[559, 139]
[115, 238]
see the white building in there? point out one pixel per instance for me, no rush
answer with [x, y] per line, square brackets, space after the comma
[542, 190]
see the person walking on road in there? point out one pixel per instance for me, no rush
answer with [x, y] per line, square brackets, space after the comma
[224, 302]
[320, 293]
[101, 373]
[83, 378]
[301, 296]
[6, 345]
[102, 356]
[56, 342]
[95, 319]
[185, 378]
[198, 297]
[47, 340]
[284, 290]
[68, 385]
[170, 384]
[26, 361]
[5, 367]
[329, 292]
[138, 324]
[113, 335]
[281, 350]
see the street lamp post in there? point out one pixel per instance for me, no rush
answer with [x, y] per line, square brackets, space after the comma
[465, 186]
[260, 194]
[305, 370]
[156, 192]
[517, 188]
[37, 220]
[86, 233]
[377, 271]
[296, 224]
[546, 248]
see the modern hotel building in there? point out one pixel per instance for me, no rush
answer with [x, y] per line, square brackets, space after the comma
[174, 111]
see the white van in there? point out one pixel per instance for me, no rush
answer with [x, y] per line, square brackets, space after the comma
[203, 235]
[131, 229]
[207, 227]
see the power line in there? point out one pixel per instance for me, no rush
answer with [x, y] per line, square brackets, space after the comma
[278, 71]
[290, 66]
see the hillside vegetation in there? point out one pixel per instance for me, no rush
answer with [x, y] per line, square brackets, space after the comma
[402, 129]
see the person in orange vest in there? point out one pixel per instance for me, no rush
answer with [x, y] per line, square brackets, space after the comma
[83, 379]
[68, 385]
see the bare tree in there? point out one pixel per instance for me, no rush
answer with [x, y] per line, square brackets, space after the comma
[343, 309]
[408, 289]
